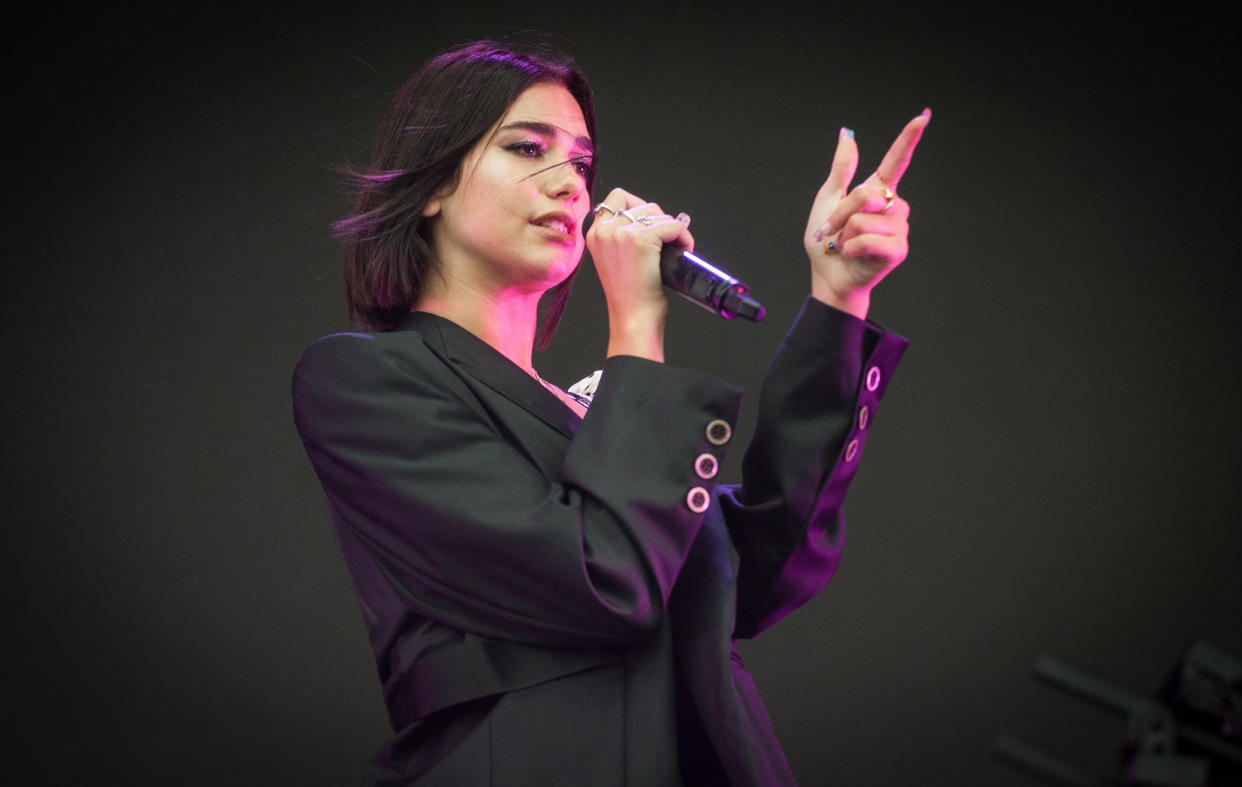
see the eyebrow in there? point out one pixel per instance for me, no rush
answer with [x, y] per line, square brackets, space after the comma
[549, 130]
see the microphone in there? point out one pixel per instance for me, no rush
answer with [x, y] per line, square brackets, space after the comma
[700, 282]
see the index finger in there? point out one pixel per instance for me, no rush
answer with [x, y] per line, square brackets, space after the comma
[897, 159]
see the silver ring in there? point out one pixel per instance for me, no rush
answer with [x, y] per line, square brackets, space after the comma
[645, 220]
[602, 207]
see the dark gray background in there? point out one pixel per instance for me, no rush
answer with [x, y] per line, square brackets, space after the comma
[1053, 470]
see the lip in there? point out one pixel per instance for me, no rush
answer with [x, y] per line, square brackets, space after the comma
[546, 221]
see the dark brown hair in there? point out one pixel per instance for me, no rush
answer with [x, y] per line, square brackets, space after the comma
[429, 127]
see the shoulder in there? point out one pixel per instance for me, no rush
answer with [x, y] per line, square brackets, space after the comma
[356, 352]
[337, 349]
[350, 364]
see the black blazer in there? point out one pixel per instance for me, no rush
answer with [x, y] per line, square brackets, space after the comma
[554, 601]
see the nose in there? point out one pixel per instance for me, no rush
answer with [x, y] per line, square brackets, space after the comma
[564, 181]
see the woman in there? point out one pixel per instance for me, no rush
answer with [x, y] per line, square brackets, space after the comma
[553, 581]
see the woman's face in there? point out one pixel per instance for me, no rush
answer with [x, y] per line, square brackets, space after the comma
[515, 217]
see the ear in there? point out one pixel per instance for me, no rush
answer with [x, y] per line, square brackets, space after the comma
[432, 207]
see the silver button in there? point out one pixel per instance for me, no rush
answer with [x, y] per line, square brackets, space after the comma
[697, 500]
[706, 466]
[864, 417]
[873, 378]
[719, 432]
[851, 451]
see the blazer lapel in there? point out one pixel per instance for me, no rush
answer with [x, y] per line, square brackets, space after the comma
[481, 361]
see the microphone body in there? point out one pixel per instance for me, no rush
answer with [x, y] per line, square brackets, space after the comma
[702, 283]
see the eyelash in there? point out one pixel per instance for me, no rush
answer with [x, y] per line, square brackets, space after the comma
[527, 148]
[583, 165]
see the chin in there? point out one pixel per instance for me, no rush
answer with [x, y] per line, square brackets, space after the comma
[561, 269]
[558, 275]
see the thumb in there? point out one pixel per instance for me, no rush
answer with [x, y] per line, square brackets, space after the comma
[844, 163]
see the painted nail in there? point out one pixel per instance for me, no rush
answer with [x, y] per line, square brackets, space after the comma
[926, 113]
[848, 133]
[684, 218]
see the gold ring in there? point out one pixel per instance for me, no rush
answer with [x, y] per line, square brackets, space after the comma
[888, 196]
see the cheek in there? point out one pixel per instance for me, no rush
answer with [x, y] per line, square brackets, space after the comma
[512, 200]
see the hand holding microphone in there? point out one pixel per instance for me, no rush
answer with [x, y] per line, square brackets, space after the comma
[685, 273]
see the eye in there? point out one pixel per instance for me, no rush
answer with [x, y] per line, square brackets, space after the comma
[583, 165]
[527, 148]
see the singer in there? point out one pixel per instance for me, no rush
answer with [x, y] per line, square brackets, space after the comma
[553, 580]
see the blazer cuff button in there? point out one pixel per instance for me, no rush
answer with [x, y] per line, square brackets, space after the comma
[698, 500]
[719, 432]
[706, 466]
[851, 451]
[873, 378]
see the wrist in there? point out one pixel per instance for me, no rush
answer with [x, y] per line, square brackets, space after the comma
[638, 335]
[857, 302]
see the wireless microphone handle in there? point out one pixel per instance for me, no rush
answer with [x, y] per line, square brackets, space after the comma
[702, 283]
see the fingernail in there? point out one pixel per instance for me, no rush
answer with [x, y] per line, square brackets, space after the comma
[684, 218]
[848, 133]
[926, 113]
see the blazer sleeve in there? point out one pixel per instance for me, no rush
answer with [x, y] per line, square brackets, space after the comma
[468, 531]
[816, 408]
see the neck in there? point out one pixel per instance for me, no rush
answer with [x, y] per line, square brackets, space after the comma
[506, 320]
